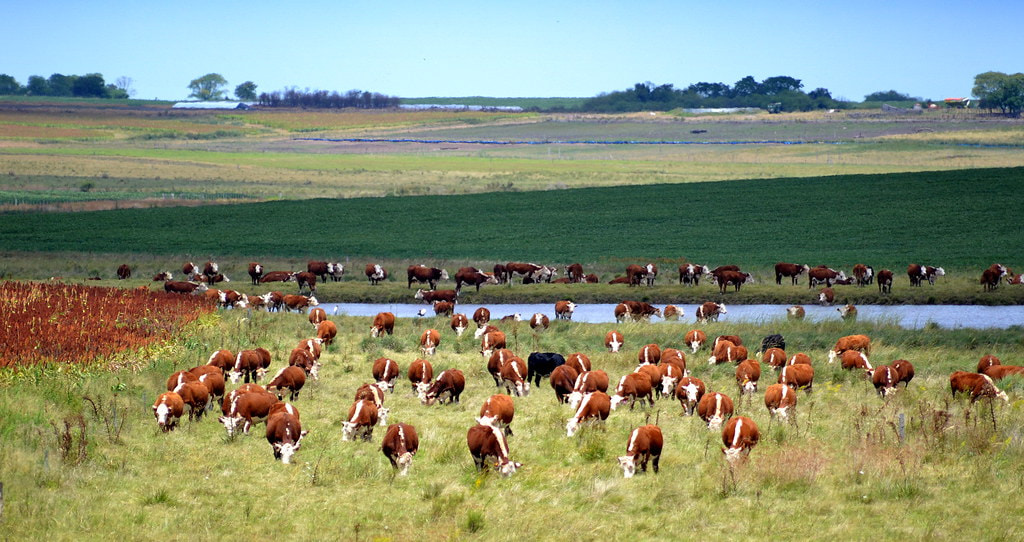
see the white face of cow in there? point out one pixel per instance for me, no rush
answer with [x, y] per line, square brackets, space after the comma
[721, 309]
[628, 464]
[163, 415]
[234, 376]
[404, 462]
[230, 423]
[733, 455]
[382, 416]
[750, 387]
[616, 399]
[508, 468]
[574, 400]
[313, 302]
[715, 422]
[572, 426]
[286, 451]
[348, 430]
[668, 383]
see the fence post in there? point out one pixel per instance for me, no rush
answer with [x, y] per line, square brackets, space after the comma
[902, 427]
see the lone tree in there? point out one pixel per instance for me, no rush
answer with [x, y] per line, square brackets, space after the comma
[208, 87]
[1001, 91]
[246, 91]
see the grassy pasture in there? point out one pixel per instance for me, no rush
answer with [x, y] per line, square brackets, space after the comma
[842, 466]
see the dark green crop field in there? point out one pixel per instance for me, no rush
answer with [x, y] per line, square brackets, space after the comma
[955, 219]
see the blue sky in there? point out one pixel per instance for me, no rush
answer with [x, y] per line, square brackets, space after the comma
[526, 48]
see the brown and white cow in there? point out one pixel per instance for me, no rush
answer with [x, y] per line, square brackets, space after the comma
[799, 358]
[634, 387]
[247, 363]
[739, 437]
[578, 361]
[473, 276]
[371, 392]
[689, 391]
[316, 316]
[513, 376]
[481, 316]
[223, 359]
[326, 331]
[710, 311]
[526, 270]
[385, 372]
[574, 272]
[383, 323]
[124, 271]
[539, 322]
[498, 410]
[429, 340]
[852, 359]
[447, 388]
[976, 385]
[987, 361]
[190, 269]
[420, 372]
[649, 353]
[563, 380]
[487, 441]
[299, 303]
[277, 276]
[284, 433]
[213, 379]
[999, 372]
[588, 382]
[399, 445]
[422, 273]
[307, 281]
[796, 312]
[289, 378]
[179, 377]
[798, 376]
[748, 372]
[823, 275]
[248, 409]
[321, 269]
[671, 374]
[906, 371]
[564, 310]
[443, 308]
[885, 281]
[593, 406]
[695, 339]
[653, 373]
[689, 274]
[491, 341]
[990, 279]
[459, 323]
[918, 273]
[613, 341]
[726, 351]
[860, 343]
[774, 357]
[848, 312]
[672, 312]
[641, 310]
[863, 274]
[826, 296]
[433, 296]
[791, 270]
[714, 408]
[735, 278]
[303, 359]
[179, 287]
[780, 400]
[375, 273]
[497, 359]
[362, 416]
[674, 355]
[645, 443]
[168, 409]
[163, 276]
[885, 379]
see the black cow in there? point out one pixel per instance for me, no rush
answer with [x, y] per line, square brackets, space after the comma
[540, 364]
[773, 341]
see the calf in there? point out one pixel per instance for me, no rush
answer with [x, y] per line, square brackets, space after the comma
[594, 406]
[541, 364]
[695, 339]
[791, 270]
[384, 322]
[247, 408]
[650, 353]
[885, 379]
[289, 378]
[645, 443]
[710, 311]
[748, 372]
[578, 361]
[277, 276]
[848, 312]
[498, 411]
[486, 441]
[168, 409]
[399, 445]
[714, 408]
[563, 380]
[633, 386]
[422, 273]
[421, 372]
[375, 273]
[613, 341]
[797, 377]
[447, 388]
[284, 433]
[429, 340]
[739, 437]
[780, 400]
[976, 385]
[385, 372]
[689, 391]
[512, 372]
[362, 416]
[860, 343]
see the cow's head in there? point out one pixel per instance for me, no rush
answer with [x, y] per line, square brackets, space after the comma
[234, 376]
[574, 400]
[419, 294]
[348, 430]
[732, 455]
[163, 416]
[285, 450]
[230, 423]
[506, 467]
[314, 371]
[691, 392]
[382, 415]
[404, 462]
[721, 308]
[749, 386]
[628, 464]
[616, 399]
[444, 274]
[715, 422]
[487, 420]
[313, 302]
[668, 383]
[572, 426]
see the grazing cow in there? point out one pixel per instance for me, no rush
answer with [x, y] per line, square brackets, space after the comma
[284, 433]
[748, 372]
[320, 268]
[990, 280]
[500, 273]
[791, 270]
[613, 341]
[316, 316]
[906, 371]
[823, 275]
[190, 269]
[999, 372]
[727, 351]
[487, 441]
[481, 316]
[371, 392]
[885, 281]
[987, 361]
[513, 376]
[446, 389]
[274, 301]
[633, 386]
[539, 322]
[526, 270]
[588, 382]
[429, 340]
[563, 380]
[689, 391]
[714, 408]
[673, 355]
[860, 343]
[717, 272]
[178, 287]
[384, 322]
[976, 385]
[484, 330]
[494, 364]
[774, 340]
[244, 388]
[385, 371]
[124, 272]
[375, 273]
[326, 331]
[774, 357]
[653, 373]
[459, 323]
[799, 358]
[780, 400]
[796, 312]
[593, 406]
[564, 310]
[498, 411]
[735, 278]
[247, 363]
[432, 296]
[248, 409]
[848, 312]
[213, 379]
[695, 339]
[474, 276]
[800, 376]
[362, 416]
[168, 409]
[578, 361]
[491, 341]
[734, 339]
[863, 274]
[885, 378]
[826, 296]
[443, 308]
[645, 443]
[277, 276]
[303, 359]
[650, 353]
[399, 445]
[289, 377]
[163, 276]
[178, 377]
[672, 312]
[621, 311]
[422, 273]
[709, 312]
[306, 280]
[222, 359]
[671, 374]
[917, 273]
[574, 272]
[689, 274]
[739, 437]
[298, 303]
[420, 372]
[541, 364]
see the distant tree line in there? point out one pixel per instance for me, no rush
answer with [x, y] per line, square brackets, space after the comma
[327, 100]
[998, 90]
[780, 93]
[90, 85]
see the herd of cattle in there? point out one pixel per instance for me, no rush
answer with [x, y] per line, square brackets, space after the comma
[660, 373]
